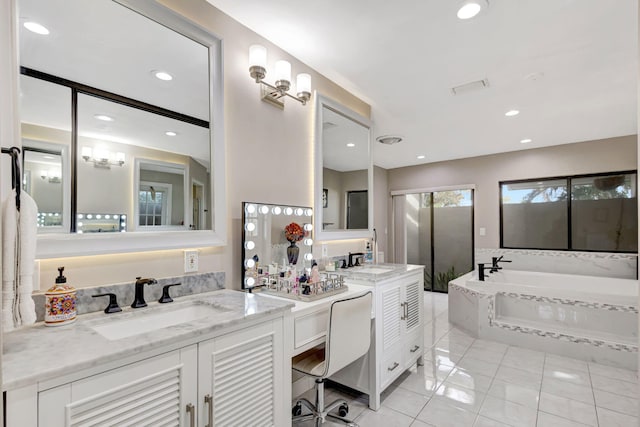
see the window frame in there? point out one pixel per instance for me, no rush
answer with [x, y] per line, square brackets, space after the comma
[568, 201]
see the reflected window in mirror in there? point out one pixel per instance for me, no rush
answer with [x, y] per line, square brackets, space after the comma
[344, 172]
[276, 239]
[138, 81]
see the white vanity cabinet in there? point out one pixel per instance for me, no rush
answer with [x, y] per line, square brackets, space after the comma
[399, 327]
[232, 379]
[397, 334]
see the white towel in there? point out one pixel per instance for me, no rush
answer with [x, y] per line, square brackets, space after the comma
[19, 232]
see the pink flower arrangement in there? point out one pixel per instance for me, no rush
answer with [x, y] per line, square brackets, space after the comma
[293, 232]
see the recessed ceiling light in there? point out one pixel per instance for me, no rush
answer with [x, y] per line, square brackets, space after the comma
[421, 157]
[524, 141]
[351, 144]
[170, 133]
[162, 75]
[103, 117]
[471, 8]
[34, 27]
[512, 113]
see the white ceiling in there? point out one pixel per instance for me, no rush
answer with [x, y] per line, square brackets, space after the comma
[569, 66]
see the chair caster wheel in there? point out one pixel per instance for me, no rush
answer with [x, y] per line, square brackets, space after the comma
[343, 410]
[296, 410]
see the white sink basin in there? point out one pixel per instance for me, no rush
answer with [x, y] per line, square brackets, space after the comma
[153, 320]
[376, 270]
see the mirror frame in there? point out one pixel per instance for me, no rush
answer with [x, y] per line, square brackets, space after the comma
[341, 234]
[64, 245]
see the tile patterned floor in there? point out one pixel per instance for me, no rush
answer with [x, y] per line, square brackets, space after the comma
[479, 383]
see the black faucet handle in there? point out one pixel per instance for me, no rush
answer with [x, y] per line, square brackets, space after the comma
[344, 263]
[113, 306]
[165, 293]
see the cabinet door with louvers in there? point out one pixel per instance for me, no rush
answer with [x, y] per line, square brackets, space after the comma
[152, 392]
[240, 378]
[414, 301]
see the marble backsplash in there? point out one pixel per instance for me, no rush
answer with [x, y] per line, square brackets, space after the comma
[624, 266]
[191, 284]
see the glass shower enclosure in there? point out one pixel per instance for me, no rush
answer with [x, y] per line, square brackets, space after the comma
[435, 229]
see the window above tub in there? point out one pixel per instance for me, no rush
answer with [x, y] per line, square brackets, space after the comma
[597, 212]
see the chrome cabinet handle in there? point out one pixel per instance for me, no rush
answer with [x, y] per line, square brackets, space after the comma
[191, 410]
[208, 400]
[414, 349]
[402, 315]
[394, 366]
[406, 308]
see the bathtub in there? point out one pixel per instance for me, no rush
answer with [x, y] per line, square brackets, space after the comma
[591, 318]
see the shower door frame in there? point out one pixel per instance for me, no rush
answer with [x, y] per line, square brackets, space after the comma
[432, 190]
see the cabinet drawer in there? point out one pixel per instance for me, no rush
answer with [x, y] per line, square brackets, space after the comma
[413, 347]
[391, 366]
[310, 327]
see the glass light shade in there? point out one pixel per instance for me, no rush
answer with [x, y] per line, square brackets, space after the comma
[102, 154]
[283, 71]
[86, 152]
[44, 174]
[257, 56]
[303, 83]
[120, 157]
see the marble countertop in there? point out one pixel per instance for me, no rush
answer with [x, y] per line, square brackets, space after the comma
[39, 353]
[376, 272]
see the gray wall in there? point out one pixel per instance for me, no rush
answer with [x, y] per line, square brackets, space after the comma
[613, 154]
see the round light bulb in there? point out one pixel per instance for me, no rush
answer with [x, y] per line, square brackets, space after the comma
[250, 226]
[250, 208]
[249, 244]
[288, 211]
[277, 210]
[308, 242]
[308, 212]
[308, 227]
[249, 263]
[264, 210]
[299, 211]
[249, 281]
[308, 256]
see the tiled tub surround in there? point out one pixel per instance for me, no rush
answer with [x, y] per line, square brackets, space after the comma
[589, 318]
[603, 264]
[191, 284]
[37, 353]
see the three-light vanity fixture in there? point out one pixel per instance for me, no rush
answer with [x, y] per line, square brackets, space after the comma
[274, 94]
[102, 158]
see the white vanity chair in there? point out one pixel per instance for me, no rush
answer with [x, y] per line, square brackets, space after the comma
[348, 338]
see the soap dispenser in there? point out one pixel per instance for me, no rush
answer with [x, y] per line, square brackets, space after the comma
[60, 302]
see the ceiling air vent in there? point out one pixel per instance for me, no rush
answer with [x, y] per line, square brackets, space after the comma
[470, 87]
[389, 139]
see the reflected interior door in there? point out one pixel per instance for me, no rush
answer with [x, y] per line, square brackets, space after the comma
[357, 210]
[198, 206]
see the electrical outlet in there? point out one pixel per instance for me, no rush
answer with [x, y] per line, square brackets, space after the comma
[325, 251]
[190, 261]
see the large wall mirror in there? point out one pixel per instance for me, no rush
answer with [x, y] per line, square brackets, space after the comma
[344, 175]
[121, 112]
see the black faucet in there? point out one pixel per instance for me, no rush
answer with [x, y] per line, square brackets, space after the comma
[481, 270]
[138, 300]
[351, 255]
[495, 261]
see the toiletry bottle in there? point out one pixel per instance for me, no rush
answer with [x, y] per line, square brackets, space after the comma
[368, 254]
[60, 302]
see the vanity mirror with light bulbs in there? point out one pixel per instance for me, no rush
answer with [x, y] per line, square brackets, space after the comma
[343, 172]
[117, 105]
[274, 238]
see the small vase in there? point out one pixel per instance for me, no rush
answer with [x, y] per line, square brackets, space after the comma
[292, 253]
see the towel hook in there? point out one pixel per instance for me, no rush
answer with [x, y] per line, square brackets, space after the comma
[16, 176]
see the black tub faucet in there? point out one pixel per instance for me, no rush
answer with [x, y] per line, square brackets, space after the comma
[495, 261]
[481, 269]
[355, 254]
[138, 300]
